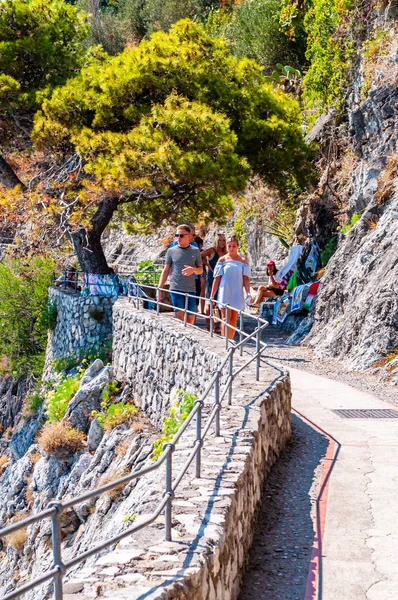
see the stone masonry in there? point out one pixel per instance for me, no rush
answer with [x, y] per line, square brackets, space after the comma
[82, 322]
[213, 517]
[154, 358]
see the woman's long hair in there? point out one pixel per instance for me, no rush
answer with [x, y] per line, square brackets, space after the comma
[220, 251]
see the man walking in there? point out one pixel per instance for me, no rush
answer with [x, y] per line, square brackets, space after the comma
[183, 262]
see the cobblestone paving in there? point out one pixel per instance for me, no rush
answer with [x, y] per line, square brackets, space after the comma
[279, 560]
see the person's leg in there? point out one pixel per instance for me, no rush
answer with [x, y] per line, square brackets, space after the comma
[232, 320]
[192, 309]
[260, 294]
[178, 301]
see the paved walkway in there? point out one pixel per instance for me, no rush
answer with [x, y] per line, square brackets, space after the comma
[359, 500]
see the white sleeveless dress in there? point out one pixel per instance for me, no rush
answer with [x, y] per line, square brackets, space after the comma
[230, 290]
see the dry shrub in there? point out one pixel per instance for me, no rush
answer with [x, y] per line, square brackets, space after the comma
[18, 538]
[8, 432]
[28, 491]
[122, 447]
[4, 364]
[343, 176]
[386, 180]
[115, 492]
[137, 427]
[3, 461]
[372, 224]
[60, 440]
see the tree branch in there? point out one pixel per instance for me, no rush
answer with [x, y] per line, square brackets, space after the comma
[8, 177]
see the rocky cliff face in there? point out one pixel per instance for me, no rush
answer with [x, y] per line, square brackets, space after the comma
[357, 311]
[34, 479]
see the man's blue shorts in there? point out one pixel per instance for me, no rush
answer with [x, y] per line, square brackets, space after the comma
[178, 301]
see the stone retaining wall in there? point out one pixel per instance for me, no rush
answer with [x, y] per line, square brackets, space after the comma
[82, 322]
[154, 358]
[214, 516]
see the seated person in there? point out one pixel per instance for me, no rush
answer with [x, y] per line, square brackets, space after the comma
[68, 280]
[273, 288]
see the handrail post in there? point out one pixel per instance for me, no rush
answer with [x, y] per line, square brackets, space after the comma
[185, 311]
[241, 331]
[199, 441]
[230, 375]
[157, 292]
[211, 319]
[169, 492]
[56, 544]
[217, 403]
[226, 327]
[258, 334]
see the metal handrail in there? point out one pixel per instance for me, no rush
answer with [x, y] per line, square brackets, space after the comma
[56, 508]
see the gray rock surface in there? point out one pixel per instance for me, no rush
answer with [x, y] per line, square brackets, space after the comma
[88, 396]
[357, 310]
[95, 435]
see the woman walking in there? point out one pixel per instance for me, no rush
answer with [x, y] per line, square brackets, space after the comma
[231, 277]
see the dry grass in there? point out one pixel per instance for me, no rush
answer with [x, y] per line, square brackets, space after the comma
[387, 179]
[137, 427]
[343, 176]
[372, 224]
[18, 538]
[122, 447]
[28, 491]
[60, 440]
[3, 461]
[385, 360]
[4, 364]
[115, 492]
[320, 273]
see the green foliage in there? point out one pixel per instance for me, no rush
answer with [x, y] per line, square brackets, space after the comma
[40, 46]
[174, 125]
[329, 50]
[373, 48]
[140, 18]
[113, 413]
[348, 226]
[240, 229]
[23, 312]
[178, 414]
[147, 273]
[86, 356]
[50, 314]
[57, 399]
[329, 250]
[35, 401]
[254, 31]
[280, 229]
[130, 518]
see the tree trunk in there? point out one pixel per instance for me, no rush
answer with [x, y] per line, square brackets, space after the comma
[8, 177]
[87, 242]
[91, 257]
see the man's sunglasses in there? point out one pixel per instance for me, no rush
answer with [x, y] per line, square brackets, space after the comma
[181, 235]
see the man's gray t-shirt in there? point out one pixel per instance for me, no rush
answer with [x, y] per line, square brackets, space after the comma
[178, 258]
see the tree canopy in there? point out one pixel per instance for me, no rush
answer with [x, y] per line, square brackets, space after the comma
[166, 130]
[40, 47]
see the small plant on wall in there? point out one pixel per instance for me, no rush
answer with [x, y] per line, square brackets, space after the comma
[177, 415]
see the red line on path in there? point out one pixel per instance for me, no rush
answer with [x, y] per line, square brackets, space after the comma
[311, 590]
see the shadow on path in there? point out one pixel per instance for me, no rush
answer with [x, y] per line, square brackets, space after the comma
[280, 557]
